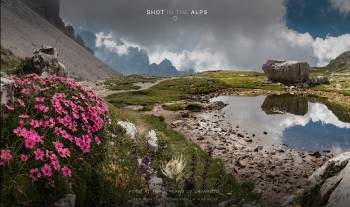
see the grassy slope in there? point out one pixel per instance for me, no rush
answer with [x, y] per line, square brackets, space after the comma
[8, 61]
[166, 91]
[340, 82]
[128, 82]
[202, 83]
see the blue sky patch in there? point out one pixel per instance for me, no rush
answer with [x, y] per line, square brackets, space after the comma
[317, 17]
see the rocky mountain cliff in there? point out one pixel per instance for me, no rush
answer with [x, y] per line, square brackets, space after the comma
[134, 61]
[50, 10]
[23, 30]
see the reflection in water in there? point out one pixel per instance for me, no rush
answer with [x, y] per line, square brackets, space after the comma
[285, 103]
[289, 119]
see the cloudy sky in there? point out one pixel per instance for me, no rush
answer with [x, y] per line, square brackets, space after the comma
[234, 34]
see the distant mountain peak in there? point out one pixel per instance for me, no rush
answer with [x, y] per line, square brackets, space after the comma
[166, 63]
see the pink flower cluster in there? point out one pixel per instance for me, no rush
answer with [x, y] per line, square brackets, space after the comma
[58, 123]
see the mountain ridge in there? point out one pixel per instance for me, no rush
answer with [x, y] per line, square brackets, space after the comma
[339, 64]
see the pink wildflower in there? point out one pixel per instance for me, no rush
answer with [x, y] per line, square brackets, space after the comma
[21, 123]
[66, 171]
[35, 123]
[39, 154]
[21, 102]
[24, 157]
[5, 156]
[55, 164]
[23, 116]
[42, 107]
[39, 99]
[9, 107]
[97, 140]
[26, 91]
[46, 170]
[35, 174]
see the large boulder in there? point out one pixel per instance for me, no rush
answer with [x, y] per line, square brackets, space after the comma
[45, 60]
[288, 72]
[334, 181]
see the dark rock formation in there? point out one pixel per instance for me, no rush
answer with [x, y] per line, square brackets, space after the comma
[288, 72]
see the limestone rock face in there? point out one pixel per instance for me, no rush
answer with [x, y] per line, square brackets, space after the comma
[286, 71]
[335, 188]
[49, 9]
[23, 30]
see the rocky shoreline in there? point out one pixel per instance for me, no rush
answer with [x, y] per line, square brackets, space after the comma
[279, 172]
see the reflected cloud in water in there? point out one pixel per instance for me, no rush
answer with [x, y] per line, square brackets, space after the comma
[289, 119]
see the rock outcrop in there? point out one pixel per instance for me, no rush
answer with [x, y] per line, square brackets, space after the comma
[45, 60]
[7, 88]
[334, 179]
[287, 72]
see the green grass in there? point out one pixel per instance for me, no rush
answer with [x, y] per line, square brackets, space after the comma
[247, 80]
[185, 87]
[8, 60]
[128, 82]
[166, 91]
[173, 107]
[14, 65]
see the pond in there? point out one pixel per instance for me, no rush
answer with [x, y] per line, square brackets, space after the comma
[301, 122]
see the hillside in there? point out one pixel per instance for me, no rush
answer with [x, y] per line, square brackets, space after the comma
[23, 30]
[340, 63]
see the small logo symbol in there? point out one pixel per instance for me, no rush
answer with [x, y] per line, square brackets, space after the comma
[174, 18]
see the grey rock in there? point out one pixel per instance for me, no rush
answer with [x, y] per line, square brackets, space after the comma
[7, 88]
[67, 201]
[335, 188]
[45, 60]
[286, 71]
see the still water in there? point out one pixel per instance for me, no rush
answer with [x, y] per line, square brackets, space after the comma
[301, 122]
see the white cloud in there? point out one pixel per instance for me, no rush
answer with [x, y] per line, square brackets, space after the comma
[343, 6]
[234, 35]
[197, 59]
[330, 47]
[282, 43]
[107, 41]
[317, 113]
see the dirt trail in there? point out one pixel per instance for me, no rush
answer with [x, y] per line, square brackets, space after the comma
[100, 89]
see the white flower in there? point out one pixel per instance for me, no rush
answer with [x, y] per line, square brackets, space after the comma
[130, 129]
[152, 138]
[173, 169]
